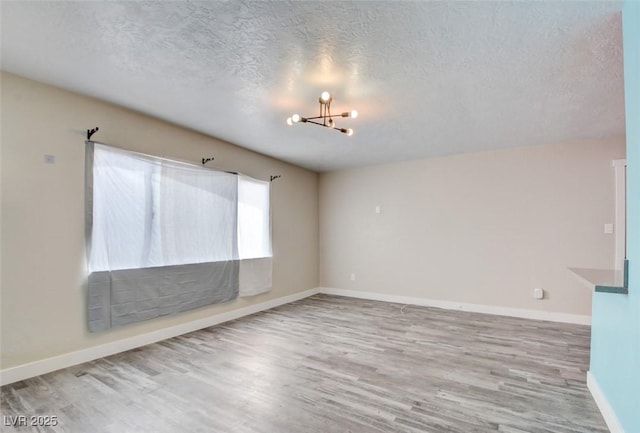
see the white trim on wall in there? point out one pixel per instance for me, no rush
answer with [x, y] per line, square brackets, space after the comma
[620, 224]
[32, 369]
[603, 404]
[450, 305]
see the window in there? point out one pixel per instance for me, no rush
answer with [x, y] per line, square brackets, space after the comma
[168, 236]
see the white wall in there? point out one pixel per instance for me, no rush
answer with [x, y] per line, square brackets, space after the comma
[483, 228]
[43, 256]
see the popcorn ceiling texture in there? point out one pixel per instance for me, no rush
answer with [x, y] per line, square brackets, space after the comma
[428, 78]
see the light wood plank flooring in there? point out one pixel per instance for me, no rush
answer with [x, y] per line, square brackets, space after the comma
[331, 364]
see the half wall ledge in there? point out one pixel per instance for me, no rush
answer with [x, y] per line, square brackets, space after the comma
[605, 280]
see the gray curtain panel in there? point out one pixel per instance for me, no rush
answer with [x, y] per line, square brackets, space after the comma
[121, 297]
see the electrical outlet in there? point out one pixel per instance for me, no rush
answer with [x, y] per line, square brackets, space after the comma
[353, 277]
[538, 293]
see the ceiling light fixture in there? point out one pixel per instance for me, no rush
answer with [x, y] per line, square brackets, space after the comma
[325, 118]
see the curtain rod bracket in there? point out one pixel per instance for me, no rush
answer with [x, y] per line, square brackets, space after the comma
[205, 160]
[272, 178]
[90, 132]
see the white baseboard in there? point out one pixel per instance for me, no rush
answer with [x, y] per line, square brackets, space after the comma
[475, 308]
[603, 404]
[32, 369]
[36, 368]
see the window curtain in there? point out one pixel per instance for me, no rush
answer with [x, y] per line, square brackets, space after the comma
[254, 236]
[165, 237]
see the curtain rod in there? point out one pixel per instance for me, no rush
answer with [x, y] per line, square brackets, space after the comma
[189, 163]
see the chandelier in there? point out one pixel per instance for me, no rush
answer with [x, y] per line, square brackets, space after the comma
[325, 118]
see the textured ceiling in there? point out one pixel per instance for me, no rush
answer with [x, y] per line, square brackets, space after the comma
[428, 78]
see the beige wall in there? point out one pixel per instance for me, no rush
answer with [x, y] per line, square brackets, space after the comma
[43, 256]
[483, 228]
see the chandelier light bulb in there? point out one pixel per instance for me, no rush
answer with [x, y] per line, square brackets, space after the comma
[295, 118]
[325, 96]
[330, 123]
[289, 121]
[353, 114]
[349, 132]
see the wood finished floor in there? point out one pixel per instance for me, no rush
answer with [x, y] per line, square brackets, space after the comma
[331, 364]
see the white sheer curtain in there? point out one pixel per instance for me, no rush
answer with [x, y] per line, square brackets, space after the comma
[254, 236]
[122, 210]
[254, 231]
[197, 216]
[150, 212]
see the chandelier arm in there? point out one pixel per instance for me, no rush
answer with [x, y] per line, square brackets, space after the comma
[315, 123]
[322, 117]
